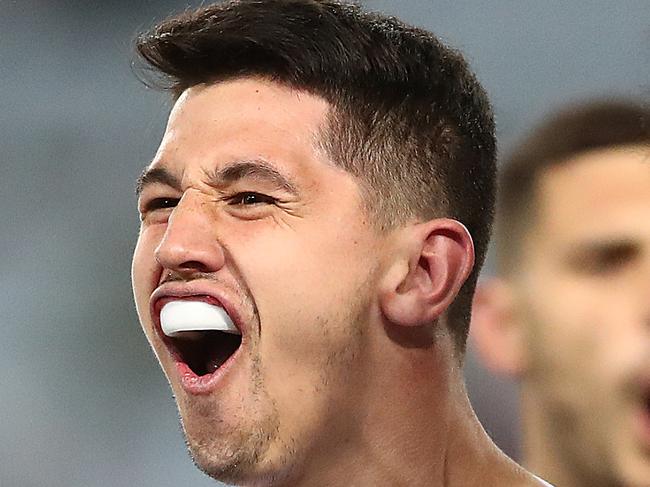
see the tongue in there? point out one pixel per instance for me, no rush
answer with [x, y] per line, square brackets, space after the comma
[177, 317]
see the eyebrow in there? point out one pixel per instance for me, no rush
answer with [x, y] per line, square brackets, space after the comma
[156, 175]
[606, 242]
[622, 246]
[258, 169]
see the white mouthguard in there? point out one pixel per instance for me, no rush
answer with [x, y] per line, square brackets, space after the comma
[187, 316]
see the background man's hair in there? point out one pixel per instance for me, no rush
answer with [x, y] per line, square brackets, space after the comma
[581, 128]
[408, 120]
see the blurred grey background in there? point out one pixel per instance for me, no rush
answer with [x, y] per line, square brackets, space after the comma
[83, 403]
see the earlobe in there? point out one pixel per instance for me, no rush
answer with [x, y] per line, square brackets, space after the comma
[496, 333]
[438, 256]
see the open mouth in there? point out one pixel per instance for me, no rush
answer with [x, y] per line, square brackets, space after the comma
[199, 334]
[204, 351]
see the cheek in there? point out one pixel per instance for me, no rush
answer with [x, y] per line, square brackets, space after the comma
[305, 290]
[571, 314]
[309, 277]
[303, 265]
[145, 272]
[579, 336]
[591, 313]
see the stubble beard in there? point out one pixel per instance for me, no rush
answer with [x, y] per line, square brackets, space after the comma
[236, 450]
[230, 451]
[242, 456]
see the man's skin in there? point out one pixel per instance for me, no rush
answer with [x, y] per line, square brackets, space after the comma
[347, 374]
[572, 321]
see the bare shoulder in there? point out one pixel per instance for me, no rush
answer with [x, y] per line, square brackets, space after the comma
[541, 482]
[523, 480]
[515, 476]
[528, 479]
[520, 477]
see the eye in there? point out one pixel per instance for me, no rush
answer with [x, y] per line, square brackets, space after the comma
[607, 259]
[159, 204]
[249, 198]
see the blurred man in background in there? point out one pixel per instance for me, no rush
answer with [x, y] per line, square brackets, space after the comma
[304, 269]
[569, 314]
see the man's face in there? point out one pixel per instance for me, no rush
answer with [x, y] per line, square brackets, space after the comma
[585, 285]
[240, 208]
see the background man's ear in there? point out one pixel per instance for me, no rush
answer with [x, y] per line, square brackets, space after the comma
[496, 332]
[434, 260]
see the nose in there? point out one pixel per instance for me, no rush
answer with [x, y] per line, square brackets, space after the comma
[190, 243]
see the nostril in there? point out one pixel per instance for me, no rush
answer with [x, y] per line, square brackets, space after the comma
[194, 265]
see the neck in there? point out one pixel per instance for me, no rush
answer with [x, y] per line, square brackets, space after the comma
[416, 428]
[545, 448]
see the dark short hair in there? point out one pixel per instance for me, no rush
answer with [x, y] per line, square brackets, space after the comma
[580, 128]
[408, 118]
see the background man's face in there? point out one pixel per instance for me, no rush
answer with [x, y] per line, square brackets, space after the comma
[278, 236]
[585, 285]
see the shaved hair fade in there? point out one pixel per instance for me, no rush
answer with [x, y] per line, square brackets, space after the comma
[577, 129]
[408, 118]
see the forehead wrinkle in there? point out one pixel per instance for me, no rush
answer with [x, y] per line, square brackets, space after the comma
[257, 169]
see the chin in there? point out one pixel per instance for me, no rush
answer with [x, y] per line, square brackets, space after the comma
[234, 453]
[234, 470]
[241, 467]
[224, 461]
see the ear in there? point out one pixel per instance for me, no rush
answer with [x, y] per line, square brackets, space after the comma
[496, 332]
[432, 262]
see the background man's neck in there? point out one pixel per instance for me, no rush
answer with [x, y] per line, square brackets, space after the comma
[545, 452]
